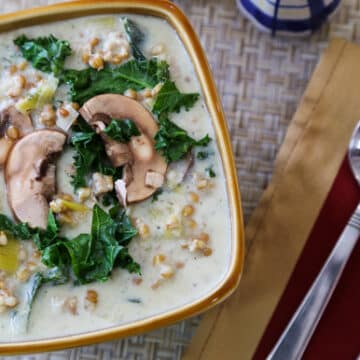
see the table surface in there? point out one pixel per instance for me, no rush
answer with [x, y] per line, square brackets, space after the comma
[261, 80]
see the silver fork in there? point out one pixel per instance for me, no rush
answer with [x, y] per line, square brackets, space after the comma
[296, 336]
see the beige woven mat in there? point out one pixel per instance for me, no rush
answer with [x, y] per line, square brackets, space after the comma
[261, 80]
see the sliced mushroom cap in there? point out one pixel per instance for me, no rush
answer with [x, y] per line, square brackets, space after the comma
[143, 158]
[118, 153]
[5, 147]
[30, 175]
[21, 122]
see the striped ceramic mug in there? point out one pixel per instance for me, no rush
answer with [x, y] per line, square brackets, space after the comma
[288, 17]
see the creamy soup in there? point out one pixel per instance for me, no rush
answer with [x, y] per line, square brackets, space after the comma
[159, 216]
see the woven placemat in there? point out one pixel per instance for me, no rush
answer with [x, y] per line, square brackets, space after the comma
[261, 80]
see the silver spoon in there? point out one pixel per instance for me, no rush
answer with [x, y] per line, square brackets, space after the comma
[295, 338]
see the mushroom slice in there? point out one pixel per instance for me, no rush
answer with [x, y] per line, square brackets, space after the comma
[5, 146]
[118, 153]
[127, 174]
[154, 179]
[143, 157]
[22, 125]
[30, 175]
[49, 181]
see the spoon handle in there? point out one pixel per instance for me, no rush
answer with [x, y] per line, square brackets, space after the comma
[296, 336]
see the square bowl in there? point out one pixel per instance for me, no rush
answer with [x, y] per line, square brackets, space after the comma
[178, 21]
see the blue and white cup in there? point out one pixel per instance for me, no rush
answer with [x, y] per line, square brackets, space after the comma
[288, 17]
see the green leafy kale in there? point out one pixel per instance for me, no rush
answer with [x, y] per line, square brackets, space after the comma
[21, 315]
[90, 155]
[156, 194]
[210, 172]
[47, 54]
[173, 142]
[91, 257]
[47, 237]
[122, 130]
[109, 199]
[170, 99]
[56, 275]
[110, 236]
[125, 231]
[135, 36]
[18, 231]
[42, 239]
[202, 155]
[134, 74]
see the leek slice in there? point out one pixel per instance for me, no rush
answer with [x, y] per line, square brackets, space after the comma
[74, 206]
[9, 256]
[40, 96]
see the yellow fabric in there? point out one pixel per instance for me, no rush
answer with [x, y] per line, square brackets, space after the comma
[306, 165]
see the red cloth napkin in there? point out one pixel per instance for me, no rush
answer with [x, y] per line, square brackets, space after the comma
[338, 333]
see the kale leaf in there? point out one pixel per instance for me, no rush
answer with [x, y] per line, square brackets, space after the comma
[23, 231]
[109, 199]
[91, 257]
[170, 99]
[79, 252]
[18, 231]
[210, 172]
[134, 74]
[47, 54]
[125, 261]
[122, 130]
[56, 275]
[90, 155]
[43, 239]
[135, 36]
[125, 231]
[49, 236]
[173, 142]
[104, 248]
[20, 316]
[202, 155]
[156, 194]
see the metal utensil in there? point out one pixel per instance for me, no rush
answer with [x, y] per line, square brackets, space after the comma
[296, 336]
